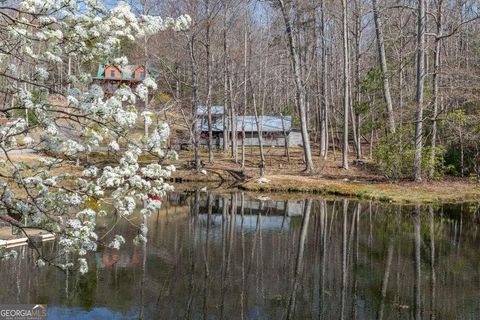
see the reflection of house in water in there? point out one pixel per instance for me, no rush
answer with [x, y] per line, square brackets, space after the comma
[119, 258]
[269, 215]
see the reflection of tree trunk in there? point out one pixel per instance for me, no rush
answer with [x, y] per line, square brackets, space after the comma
[433, 277]
[229, 235]
[142, 282]
[299, 264]
[193, 231]
[344, 259]
[386, 275]
[207, 271]
[224, 246]
[417, 261]
[242, 234]
[252, 253]
[323, 253]
[354, 234]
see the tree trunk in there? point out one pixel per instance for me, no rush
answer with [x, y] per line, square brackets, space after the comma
[436, 80]
[209, 81]
[285, 136]
[383, 67]
[245, 80]
[225, 79]
[420, 89]
[300, 96]
[324, 89]
[346, 84]
[195, 131]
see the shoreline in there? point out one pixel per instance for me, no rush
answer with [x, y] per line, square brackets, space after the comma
[406, 192]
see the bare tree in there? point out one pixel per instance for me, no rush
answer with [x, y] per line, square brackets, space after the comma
[346, 84]
[421, 24]
[383, 66]
[300, 94]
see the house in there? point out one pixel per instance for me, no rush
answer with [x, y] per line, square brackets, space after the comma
[111, 76]
[251, 214]
[275, 129]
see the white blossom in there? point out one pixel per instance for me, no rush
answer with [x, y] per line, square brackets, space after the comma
[117, 241]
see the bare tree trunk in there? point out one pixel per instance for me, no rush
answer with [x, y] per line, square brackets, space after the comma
[346, 84]
[420, 88]
[291, 31]
[233, 120]
[324, 90]
[195, 131]
[383, 67]
[285, 135]
[260, 123]
[245, 80]
[225, 79]
[260, 137]
[209, 81]
[436, 80]
[358, 37]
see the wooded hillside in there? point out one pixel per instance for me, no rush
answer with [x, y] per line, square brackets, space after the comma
[396, 80]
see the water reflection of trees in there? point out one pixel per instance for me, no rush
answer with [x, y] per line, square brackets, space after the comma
[233, 257]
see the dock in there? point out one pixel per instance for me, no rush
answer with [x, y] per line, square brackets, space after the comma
[8, 239]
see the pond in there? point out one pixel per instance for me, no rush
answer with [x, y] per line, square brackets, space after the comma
[233, 255]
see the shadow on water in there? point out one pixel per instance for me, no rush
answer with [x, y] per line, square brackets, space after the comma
[233, 256]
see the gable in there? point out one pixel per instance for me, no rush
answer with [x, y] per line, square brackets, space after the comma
[112, 72]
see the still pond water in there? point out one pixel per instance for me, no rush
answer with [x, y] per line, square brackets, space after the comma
[234, 256]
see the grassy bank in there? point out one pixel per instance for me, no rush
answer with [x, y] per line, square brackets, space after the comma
[330, 179]
[403, 192]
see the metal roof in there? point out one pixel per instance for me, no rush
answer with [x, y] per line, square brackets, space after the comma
[266, 123]
[203, 110]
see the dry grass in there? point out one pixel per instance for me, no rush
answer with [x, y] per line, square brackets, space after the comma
[287, 177]
[403, 192]
[32, 158]
[329, 178]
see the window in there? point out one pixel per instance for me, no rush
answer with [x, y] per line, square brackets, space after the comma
[142, 75]
[112, 73]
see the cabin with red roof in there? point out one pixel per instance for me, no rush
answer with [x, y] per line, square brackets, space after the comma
[110, 76]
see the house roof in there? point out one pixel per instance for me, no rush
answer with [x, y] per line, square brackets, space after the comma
[266, 123]
[203, 110]
[128, 71]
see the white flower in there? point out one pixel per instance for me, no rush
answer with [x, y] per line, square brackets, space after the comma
[114, 146]
[150, 83]
[90, 172]
[83, 266]
[117, 241]
[28, 140]
[40, 263]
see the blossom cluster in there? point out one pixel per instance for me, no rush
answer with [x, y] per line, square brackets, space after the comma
[85, 120]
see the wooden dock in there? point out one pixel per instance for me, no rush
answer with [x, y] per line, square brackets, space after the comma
[9, 240]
